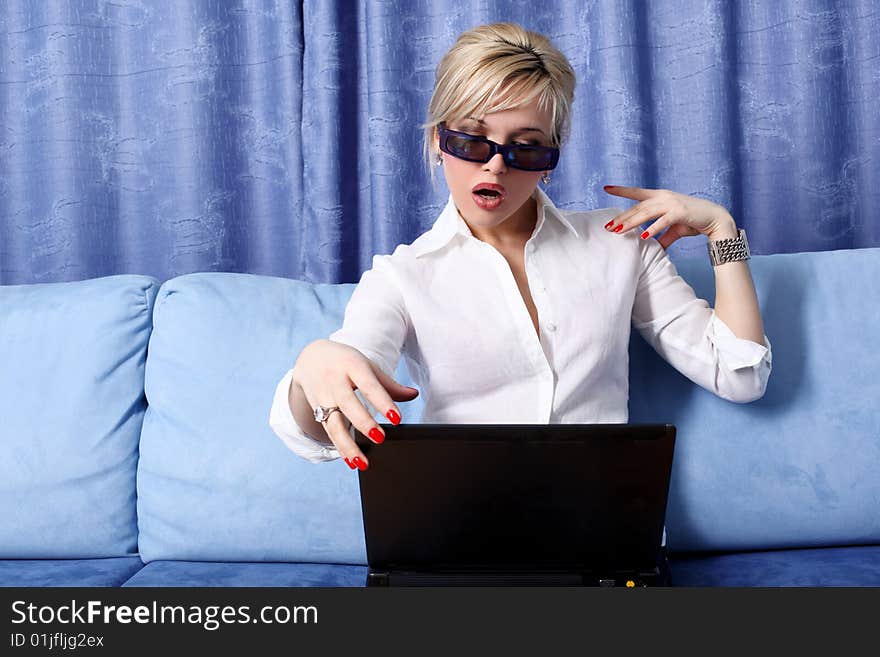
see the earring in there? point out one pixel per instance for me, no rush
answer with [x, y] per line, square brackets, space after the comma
[439, 160]
[545, 178]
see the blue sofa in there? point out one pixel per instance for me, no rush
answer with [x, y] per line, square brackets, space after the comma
[136, 449]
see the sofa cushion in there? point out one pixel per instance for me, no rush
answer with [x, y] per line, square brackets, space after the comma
[798, 467]
[836, 566]
[113, 571]
[72, 403]
[192, 573]
[214, 481]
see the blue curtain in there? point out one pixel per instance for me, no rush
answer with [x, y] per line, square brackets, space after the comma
[282, 138]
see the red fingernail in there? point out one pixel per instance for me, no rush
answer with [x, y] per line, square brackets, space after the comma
[609, 186]
[645, 235]
[393, 416]
[376, 435]
[349, 464]
[359, 463]
[619, 228]
[609, 224]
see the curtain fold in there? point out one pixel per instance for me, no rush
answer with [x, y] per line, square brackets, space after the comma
[164, 138]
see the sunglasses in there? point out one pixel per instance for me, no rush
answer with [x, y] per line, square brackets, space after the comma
[479, 149]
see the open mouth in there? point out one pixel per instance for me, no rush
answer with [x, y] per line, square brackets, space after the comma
[488, 201]
[489, 190]
[488, 196]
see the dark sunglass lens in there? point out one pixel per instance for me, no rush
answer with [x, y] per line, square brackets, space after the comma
[532, 158]
[469, 149]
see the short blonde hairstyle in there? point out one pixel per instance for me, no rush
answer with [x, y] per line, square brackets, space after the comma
[496, 67]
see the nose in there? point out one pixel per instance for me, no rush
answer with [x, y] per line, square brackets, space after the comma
[496, 164]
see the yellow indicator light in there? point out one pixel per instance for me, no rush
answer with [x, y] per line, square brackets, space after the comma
[630, 584]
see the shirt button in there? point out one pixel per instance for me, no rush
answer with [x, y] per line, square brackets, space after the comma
[551, 327]
[530, 248]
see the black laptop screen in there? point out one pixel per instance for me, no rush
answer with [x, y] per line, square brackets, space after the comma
[516, 497]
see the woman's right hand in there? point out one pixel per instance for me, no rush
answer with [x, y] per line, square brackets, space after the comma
[328, 373]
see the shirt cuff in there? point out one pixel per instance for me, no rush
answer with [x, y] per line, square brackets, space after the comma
[285, 427]
[737, 353]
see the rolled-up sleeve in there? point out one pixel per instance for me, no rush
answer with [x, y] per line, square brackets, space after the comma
[285, 427]
[687, 333]
[375, 324]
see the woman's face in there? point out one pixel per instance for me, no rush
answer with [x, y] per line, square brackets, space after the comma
[522, 125]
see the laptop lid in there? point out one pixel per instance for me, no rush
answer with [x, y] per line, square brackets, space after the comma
[516, 498]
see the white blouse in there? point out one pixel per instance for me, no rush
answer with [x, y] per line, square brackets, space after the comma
[449, 304]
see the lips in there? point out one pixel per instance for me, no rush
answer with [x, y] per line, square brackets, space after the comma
[490, 186]
[490, 200]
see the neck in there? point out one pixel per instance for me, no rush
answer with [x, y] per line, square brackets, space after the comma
[513, 231]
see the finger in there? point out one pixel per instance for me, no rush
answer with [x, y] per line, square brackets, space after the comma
[624, 216]
[626, 221]
[358, 415]
[383, 391]
[672, 234]
[337, 427]
[673, 230]
[620, 218]
[635, 193]
[655, 228]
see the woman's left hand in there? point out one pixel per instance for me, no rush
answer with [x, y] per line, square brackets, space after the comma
[683, 215]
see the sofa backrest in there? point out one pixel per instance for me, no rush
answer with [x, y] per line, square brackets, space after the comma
[796, 468]
[72, 359]
[799, 467]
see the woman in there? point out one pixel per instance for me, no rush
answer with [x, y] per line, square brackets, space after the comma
[509, 310]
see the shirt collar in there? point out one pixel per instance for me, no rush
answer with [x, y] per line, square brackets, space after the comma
[449, 224]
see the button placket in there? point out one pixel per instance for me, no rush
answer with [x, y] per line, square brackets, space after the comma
[539, 290]
[517, 306]
[539, 296]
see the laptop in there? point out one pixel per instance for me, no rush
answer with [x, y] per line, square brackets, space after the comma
[517, 504]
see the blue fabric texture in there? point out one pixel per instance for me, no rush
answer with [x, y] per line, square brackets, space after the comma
[72, 403]
[214, 481]
[68, 572]
[263, 574]
[837, 566]
[166, 138]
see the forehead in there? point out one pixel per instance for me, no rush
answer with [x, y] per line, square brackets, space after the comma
[527, 115]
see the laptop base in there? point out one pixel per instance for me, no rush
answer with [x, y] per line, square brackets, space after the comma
[658, 576]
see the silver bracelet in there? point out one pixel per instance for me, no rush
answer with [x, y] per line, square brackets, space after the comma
[730, 249]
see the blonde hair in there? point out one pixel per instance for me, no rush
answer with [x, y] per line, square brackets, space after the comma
[495, 67]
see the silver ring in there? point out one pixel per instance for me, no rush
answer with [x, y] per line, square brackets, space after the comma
[323, 412]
